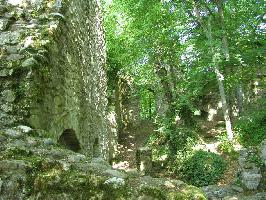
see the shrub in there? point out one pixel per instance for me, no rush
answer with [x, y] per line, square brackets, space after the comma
[171, 140]
[226, 147]
[251, 127]
[203, 168]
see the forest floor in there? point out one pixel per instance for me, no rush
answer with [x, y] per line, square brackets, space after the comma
[133, 138]
[136, 136]
[211, 130]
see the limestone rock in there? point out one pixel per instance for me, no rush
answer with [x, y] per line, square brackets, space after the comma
[12, 133]
[115, 182]
[5, 72]
[31, 142]
[8, 96]
[12, 49]
[76, 158]
[115, 173]
[3, 24]
[24, 129]
[263, 152]
[251, 180]
[237, 188]
[10, 165]
[15, 2]
[9, 37]
[14, 57]
[48, 142]
[6, 107]
[144, 159]
[30, 62]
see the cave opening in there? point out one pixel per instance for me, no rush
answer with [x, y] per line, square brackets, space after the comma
[69, 139]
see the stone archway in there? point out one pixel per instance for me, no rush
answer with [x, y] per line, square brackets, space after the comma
[69, 139]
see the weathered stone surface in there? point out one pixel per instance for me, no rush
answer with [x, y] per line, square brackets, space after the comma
[214, 192]
[115, 173]
[62, 64]
[6, 107]
[5, 72]
[144, 159]
[8, 95]
[14, 57]
[14, 133]
[34, 172]
[12, 49]
[48, 142]
[9, 37]
[263, 152]
[250, 171]
[24, 129]
[251, 180]
[30, 62]
[258, 196]
[3, 24]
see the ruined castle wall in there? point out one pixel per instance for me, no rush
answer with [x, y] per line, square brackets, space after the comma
[52, 73]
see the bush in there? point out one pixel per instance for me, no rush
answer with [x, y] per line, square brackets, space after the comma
[170, 140]
[251, 127]
[203, 168]
[226, 147]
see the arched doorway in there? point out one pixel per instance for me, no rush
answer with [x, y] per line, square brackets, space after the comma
[69, 140]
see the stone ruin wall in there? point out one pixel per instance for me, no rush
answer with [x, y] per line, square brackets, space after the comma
[52, 77]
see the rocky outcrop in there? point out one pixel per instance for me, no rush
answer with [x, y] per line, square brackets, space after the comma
[34, 167]
[231, 192]
[250, 172]
[263, 152]
[52, 77]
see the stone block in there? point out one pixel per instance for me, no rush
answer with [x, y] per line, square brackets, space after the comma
[263, 152]
[9, 37]
[29, 62]
[144, 160]
[3, 24]
[251, 181]
[12, 49]
[14, 57]
[5, 72]
[8, 96]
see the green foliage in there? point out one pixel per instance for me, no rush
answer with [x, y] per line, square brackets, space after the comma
[252, 126]
[227, 147]
[203, 168]
[255, 158]
[172, 144]
[147, 104]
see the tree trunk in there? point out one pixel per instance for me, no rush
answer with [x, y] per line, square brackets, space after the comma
[162, 74]
[240, 99]
[219, 76]
[118, 107]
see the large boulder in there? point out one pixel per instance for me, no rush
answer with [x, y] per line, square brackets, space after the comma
[29, 168]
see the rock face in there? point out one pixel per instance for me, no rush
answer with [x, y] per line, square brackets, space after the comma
[32, 169]
[52, 57]
[263, 152]
[250, 172]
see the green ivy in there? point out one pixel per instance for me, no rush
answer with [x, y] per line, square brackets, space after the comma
[203, 168]
[251, 127]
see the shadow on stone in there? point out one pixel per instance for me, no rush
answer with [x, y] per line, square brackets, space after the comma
[69, 140]
[96, 148]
